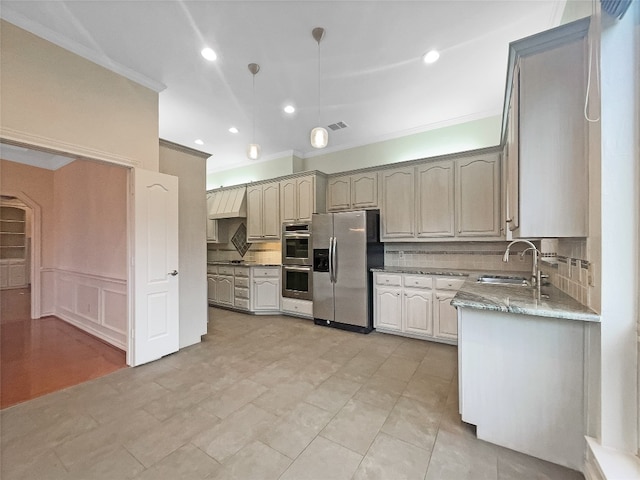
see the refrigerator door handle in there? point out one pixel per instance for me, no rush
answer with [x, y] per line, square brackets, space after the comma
[331, 259]
[334, 268]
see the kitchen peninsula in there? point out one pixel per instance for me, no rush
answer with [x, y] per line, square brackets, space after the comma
[522, 358]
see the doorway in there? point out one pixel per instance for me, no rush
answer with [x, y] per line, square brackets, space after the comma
[74, 259]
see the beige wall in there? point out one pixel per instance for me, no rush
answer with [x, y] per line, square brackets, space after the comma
[54, 99]
[190, 168]
[37, 184]
[440, 141]
[90, 201]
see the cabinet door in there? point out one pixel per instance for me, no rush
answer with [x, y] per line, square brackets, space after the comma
[271, 225]
[288, 202]
[388, 312]
[254, 212]
[265, 294]
[553, 142]
[478, 196]
[225, 291]
[364, 190]
[398, 209]
[417, 308]
[305, 199]
[212, 230]
[339, 193]
[512, 160]
[211, 289]
[435, 213]
[446, 317]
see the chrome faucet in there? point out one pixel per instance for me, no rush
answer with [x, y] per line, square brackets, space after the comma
[535, 271]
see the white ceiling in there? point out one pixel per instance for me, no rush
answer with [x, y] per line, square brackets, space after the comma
[372, 76]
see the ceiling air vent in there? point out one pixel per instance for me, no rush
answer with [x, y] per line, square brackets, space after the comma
[338, 126]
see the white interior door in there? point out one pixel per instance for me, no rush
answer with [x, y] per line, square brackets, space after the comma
[155, 324]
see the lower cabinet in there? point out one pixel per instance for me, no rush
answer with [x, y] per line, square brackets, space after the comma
[265, 289]
[297, 308]
[254, 289]
[416, 305]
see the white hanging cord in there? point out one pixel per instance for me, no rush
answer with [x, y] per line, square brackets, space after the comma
[594, 18]
[586, 99]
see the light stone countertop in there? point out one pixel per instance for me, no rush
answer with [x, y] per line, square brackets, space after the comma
[424, 271]
[552, 302]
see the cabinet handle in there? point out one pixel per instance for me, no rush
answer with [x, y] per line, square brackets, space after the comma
[509, 220]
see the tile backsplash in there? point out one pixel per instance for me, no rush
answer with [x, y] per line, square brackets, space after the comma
[568, 270]
[459, 255]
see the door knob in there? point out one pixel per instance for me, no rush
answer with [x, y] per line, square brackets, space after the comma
[173, 274]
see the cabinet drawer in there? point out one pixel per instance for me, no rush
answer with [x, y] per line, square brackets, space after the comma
[298, 307]
[225, 270]
[212, 269]
[259, 272]
[242, 303]
[418, 281]
[449, 283]
[241, 272]
[242, 282]
[241, 293]
[388, 279]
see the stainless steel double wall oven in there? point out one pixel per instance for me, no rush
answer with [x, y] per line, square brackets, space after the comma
[297, 261]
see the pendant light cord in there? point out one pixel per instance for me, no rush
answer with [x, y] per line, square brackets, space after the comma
[318, 83]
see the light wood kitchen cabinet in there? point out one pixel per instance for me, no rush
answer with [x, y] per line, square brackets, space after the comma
[388, 308]
[478, 196]
[435, 202]
[512, 200]
[263, 212]
[225, 289]
[445, 317]
[216, 231]
[301, 197]
[265, 289]
[398, 204]
[546, 134]
[352, 192]
[452, 198]
[247, 288]
[416, 305]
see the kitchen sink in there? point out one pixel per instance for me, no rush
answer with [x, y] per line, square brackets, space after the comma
[504, 280]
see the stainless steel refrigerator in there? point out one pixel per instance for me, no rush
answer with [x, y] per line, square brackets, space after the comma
[345, 247]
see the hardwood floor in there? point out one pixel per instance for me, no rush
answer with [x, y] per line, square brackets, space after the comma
[45, 355]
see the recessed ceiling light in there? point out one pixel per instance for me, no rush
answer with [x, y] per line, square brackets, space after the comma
[431, 56]
[233, 130]
[209, 54]
[198, 142]
[289, 109]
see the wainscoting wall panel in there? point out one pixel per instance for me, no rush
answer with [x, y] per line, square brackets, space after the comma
[93, 303]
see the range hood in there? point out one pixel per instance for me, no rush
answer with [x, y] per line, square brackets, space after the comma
[227, 203]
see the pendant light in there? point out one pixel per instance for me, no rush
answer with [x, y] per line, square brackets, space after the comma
[319, 135]
[253, 149]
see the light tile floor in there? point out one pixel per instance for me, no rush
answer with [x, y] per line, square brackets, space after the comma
[264, 398]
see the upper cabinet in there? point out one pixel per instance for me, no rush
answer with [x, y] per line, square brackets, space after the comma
[397, 219]
[263, 212]
[352, 192]
[478, 196]
[451, 199]
[301, 197]
[435, 211]
[545, 132]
